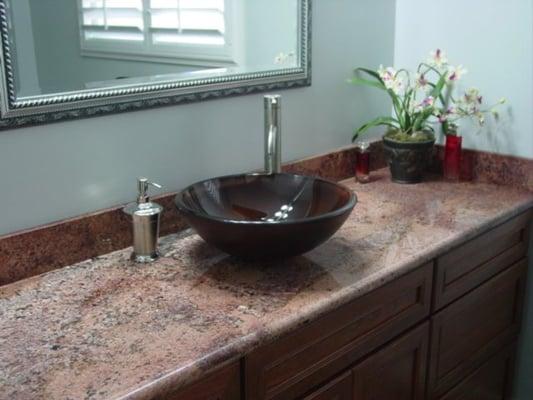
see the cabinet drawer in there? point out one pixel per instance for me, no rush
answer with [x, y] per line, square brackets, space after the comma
[223, 384]
[396, 372]
[308, 357]
[473, 263]
[468, 332]
[491, 381]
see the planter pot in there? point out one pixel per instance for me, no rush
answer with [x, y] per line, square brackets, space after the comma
[407, 160]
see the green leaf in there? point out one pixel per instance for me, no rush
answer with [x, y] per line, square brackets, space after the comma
[422, 118]
[370, 72]
[366, 82]
[398, 107]
[387, 121]
[437, 90]
[396, 101]
[441, 97]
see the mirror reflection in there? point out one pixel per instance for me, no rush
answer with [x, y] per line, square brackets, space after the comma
[70, 45]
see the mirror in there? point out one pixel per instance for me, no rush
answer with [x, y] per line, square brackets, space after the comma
[74, 58]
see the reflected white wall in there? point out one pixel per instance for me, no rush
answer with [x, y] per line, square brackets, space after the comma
[24, 50]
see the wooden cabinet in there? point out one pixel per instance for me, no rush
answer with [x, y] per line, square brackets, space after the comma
[398, 371]
[444, 331]
[340, 388]
[468, 332]
[288, 367]
[469, 265]
[491, 381]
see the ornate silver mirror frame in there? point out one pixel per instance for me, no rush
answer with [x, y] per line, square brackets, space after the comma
[15, 112]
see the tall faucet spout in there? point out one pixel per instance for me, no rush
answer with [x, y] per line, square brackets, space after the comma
[272, 134]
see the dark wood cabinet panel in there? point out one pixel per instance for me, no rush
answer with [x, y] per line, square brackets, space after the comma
[491, 381]
[469, 331]
[397, 372]
[223, 384]
[340, 388]
[290, 366]
[476, 261]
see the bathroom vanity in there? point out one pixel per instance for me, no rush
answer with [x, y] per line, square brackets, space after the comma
[446, 330]
[452, 323]
[417, 296]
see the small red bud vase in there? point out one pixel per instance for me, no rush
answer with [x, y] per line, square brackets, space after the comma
[452, 157]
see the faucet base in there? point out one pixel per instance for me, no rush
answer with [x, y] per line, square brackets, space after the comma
[144, 258]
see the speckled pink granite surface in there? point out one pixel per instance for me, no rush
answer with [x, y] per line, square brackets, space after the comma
[107, 328]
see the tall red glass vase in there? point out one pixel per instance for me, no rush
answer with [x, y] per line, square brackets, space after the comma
[452, 157]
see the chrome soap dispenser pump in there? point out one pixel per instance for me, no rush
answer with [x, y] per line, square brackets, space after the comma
[145, 219]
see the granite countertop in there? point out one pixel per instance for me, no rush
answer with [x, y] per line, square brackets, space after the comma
[107, 328]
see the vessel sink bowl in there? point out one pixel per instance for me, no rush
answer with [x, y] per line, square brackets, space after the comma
[261, 216]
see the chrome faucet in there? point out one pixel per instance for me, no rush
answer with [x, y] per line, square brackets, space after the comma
[272, 134]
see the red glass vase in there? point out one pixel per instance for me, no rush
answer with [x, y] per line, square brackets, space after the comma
[362, 162]
[452, 157]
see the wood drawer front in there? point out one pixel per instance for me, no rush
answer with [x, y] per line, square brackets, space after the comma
[473, 263]
[492, 381]
[397, 372]
[340, 388]
[223, 384]
[469, 331]
[297, 362]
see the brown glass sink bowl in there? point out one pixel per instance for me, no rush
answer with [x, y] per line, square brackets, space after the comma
[260, 216]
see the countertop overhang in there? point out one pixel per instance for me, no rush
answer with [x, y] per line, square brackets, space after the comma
[109, 328]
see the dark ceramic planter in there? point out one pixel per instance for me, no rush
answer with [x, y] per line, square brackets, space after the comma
[407, 161]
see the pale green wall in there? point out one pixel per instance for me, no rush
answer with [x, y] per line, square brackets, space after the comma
[494, 40]
[61, 170]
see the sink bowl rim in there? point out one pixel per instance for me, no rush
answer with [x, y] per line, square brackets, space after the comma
[350, 204]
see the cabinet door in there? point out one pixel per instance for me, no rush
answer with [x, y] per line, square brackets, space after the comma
[491, 381]
[338, 389]
[397, 372]
[294, 364]
[474, 328]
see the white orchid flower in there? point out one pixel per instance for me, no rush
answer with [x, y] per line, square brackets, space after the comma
[438, 58]
[386, 74]
[390, 78]
[455, 73]
[480, 117]
[472, 96]
[420, 80]
[396, 85]
[428, 101]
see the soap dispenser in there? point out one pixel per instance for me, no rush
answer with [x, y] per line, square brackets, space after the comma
[145, 218]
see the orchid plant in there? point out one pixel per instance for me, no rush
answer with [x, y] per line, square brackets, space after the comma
[422, 100]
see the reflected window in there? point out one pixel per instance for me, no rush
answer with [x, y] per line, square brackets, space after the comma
[179, 30]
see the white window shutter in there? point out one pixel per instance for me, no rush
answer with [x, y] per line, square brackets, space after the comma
[179, 30]
[113, 20]
[195, 22]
